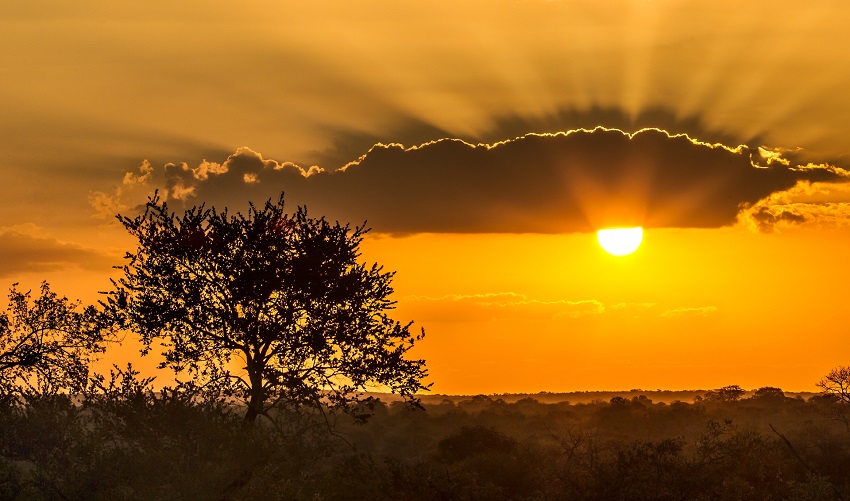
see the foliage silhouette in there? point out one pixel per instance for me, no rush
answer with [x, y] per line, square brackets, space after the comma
[837, 383]
[47, 343]
[283, 294]
[731, 393]
[769, 393]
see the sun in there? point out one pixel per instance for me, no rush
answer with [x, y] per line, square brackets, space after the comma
[620, 241]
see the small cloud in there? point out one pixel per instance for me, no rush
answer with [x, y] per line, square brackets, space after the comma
[484, 297]
[631, 306]
[810, 167]
[501, 305]
[180, 192]
[805, 204]
[203, 171]
[575, 309]
[140, 178]
[133, 186]
[106, 206]
[209, 182]
[773, 156]
[767, 219]
[689, 312]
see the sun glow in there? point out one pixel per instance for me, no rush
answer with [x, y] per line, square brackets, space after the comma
[620, 241]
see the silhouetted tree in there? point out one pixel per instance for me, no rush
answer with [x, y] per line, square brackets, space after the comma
[769, 393]
[47, 343]
[731, 393]
[618, 401]
[837, 383]
[283, 294]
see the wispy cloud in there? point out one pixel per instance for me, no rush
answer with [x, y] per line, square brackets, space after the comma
[703, 311]
[511, 305]
[28, 248]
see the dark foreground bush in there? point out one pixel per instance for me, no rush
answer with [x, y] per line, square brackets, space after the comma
[139, 445]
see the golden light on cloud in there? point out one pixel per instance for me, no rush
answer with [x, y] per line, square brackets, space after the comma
[620, 241]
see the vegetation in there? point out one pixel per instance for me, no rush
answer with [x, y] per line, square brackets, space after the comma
[47, 343]
[272, 315]
[837, 383]
[283, 296]
[125, 441]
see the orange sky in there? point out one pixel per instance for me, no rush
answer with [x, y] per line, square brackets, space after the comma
[741, 184]
[692, 308]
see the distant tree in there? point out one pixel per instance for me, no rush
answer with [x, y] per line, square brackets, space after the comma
[837, 383]
[642, 400]
[769, 392]
[47, 343]
[731, 393]
[618, 401]
[284, 295]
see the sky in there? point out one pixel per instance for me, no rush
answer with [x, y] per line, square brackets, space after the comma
[484, 142]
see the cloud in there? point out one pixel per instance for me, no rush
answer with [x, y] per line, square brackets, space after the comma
[702, 312]
[501, 306]
[805, 204]
[510, 305]
[27, 248]
[572, 181]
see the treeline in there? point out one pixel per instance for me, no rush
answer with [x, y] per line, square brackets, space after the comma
[127, 441]
[767, 446]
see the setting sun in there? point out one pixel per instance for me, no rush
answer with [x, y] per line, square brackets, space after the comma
[620, 241]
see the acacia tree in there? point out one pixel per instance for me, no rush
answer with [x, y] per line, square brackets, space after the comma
[47, 343]
[282, 295]
[731, 393]
[837, 383]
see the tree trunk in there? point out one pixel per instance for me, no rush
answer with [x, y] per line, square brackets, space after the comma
[251, 414]
[257, 398]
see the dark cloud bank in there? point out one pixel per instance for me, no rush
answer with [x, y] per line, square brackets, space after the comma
[27, 249]
[548, 183]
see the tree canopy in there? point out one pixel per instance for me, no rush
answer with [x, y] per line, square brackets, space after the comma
[837, 383]
[47, 343]
[264, 306]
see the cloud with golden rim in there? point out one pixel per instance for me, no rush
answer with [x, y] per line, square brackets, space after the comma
[572, 181]
[821, 205]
